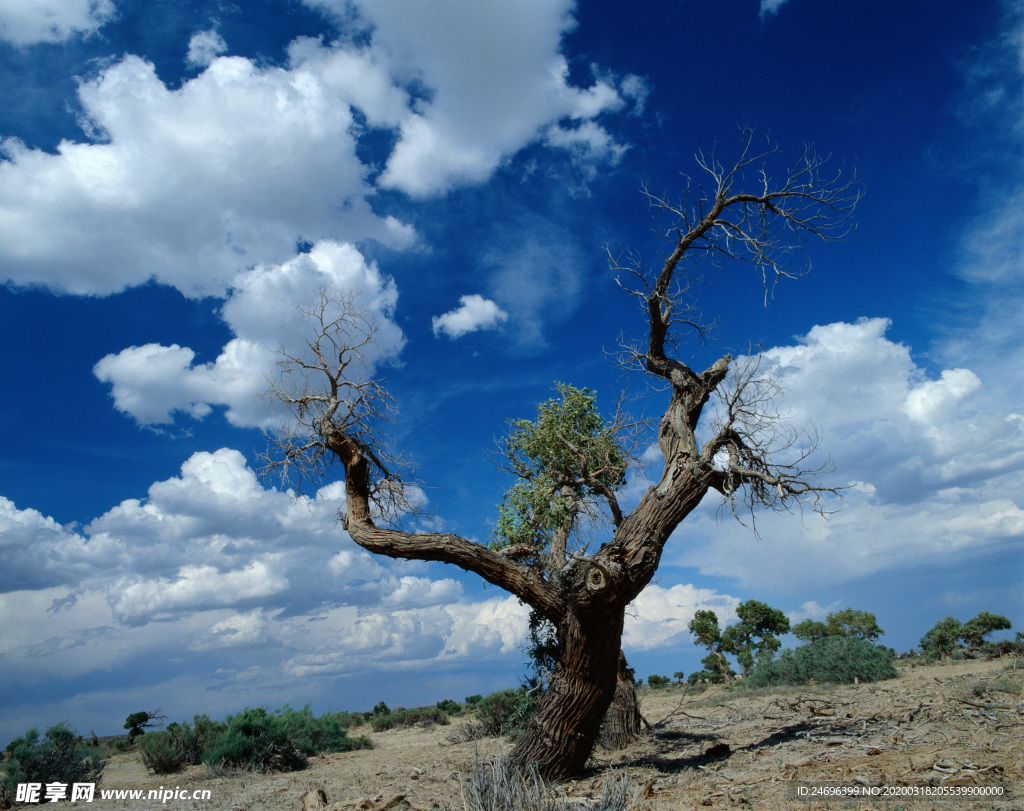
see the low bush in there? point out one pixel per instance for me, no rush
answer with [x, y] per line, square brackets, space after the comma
[830, 660]
[416, 717]
[505, 712]
[658, 682]
[280, 741]
[449, 707]
[59, 756]
[179, 745]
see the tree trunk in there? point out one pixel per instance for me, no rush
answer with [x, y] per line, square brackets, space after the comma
[561, 734]
[623, 720]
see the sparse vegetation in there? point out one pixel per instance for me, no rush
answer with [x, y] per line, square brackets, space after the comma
[505, 712]
[416, 717]
[496, 786]
[658, 682]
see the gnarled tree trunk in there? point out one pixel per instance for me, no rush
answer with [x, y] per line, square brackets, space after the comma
[561, 733]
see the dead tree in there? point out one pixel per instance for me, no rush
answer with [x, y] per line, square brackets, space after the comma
[739, 213]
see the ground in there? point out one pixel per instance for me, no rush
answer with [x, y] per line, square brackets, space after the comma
[958, 726]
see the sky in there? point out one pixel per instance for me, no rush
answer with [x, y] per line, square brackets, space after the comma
[177, 177]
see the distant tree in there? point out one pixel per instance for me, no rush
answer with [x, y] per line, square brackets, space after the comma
[755, 637]
[741, 448]
[706, 632]
[658, 682]
[949, 635]
[851, 623]
[854, 624]
[943, 639]
[975, 630]
[138, 722]
[679, 676]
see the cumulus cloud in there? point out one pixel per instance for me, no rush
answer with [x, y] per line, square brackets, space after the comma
[152, 382]
[28, 22]
[473, 313]
[191, 185]
[490, 79]
[659, 616]
[932, 464]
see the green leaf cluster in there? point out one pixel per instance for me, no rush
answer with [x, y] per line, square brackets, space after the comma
[850, 622]
[562, 458]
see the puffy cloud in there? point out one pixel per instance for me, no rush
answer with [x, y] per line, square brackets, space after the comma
[488, 79]
[933, 467]
[473, 313]
[191, 185]
[152, 382]
[27, 22]
[204, 47]
[659, 616]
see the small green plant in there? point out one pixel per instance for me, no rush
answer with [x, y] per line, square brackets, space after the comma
[830, 660]
[58, 757]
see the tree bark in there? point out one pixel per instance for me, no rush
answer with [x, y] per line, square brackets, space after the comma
[623, 721]
[561, 733]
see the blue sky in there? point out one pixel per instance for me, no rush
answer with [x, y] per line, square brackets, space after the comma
[176, 176]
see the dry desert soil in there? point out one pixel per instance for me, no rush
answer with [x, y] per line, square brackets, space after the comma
[957, 727]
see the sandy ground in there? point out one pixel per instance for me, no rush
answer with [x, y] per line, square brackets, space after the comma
[958, 727]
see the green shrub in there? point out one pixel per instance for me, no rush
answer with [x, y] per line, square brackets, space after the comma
[505, 712]
[473, 700]
[179, 745]
[280, 741]
[830, 660]
[658, 682]
[60, 757]
[417, 717]
[449, 707]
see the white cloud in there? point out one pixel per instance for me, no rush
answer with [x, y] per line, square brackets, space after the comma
[659, 616]
[152, 382]
[28, 22]
[190, 186]
[204, 47]
[490, 79]
[473, 313]
[935, 466]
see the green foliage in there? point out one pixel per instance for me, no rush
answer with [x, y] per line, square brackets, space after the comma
[505, 712]
[975, 630]
[810, 630]
[658, 682]
[416, 717]
[381, 709]
[679, 676]
[280, 741]
[942, 639]
[449, 707]
[751, 639]
[949, 637]
[473, 700]
[59, 757]
[849, 622]
[830, 660]
[564, 457]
